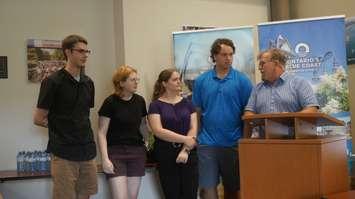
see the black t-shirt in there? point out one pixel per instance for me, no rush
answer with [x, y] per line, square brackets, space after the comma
[68, 102]
[125, 119]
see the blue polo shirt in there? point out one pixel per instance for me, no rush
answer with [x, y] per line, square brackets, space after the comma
[289, 93]
[222, 103]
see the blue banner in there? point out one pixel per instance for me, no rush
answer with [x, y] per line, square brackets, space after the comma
[316, 51]
[350, 39]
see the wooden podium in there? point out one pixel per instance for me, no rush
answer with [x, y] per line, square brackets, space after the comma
[281, 165]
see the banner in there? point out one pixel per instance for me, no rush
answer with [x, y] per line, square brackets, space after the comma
[192, 52]
[316, 51]
[350, 39]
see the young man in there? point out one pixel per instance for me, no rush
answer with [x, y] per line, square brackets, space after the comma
[220, 95]
[279, 90]
[63, 107]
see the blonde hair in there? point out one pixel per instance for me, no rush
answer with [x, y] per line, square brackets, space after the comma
[120, 75]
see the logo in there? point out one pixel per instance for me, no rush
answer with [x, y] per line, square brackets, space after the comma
[302, 49]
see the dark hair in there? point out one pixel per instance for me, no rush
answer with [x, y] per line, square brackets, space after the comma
[70, 41]
[276, 54]
[216, 46]
[164, 76]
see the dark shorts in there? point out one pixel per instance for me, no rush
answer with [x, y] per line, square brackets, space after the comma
[216, 162]
[127, 160]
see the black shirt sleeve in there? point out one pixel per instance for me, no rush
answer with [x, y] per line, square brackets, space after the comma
[144, 108]
[46, 94]
[92, 100]
[106, 108]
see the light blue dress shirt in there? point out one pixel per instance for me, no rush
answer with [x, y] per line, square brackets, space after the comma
[289, 93]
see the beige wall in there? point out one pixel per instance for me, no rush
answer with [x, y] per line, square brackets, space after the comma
[317, 8]
[41, 19]
[148, 27]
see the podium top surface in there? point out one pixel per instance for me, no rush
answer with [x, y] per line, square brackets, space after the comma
[320, 119]
[319, 140]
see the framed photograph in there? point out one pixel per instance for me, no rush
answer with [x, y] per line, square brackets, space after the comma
[3, 67]
[43, 58]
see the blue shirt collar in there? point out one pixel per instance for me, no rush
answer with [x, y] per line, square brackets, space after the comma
[228, 76]
[284, 76]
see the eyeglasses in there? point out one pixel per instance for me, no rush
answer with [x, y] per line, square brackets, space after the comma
[262, 63]
[133, 79]
[82, 51]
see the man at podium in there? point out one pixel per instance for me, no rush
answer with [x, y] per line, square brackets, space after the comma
[279, 91]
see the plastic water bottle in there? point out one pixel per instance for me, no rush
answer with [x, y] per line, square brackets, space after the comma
[19, 161]
[32, 162]
[22, 161]
[37, 160]
[43, 166]
[48, 162]
[26, 162]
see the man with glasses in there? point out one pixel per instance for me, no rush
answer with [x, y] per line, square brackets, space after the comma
[63, 106]
[279, 91]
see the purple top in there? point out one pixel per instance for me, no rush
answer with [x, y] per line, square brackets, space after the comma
[174, 117]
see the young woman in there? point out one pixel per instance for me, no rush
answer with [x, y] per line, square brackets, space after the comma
[121, 118]
[173, 121]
